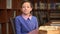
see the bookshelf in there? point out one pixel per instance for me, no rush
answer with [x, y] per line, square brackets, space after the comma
[44, 10]
[8, 9]
[40, 11]
[2, 4]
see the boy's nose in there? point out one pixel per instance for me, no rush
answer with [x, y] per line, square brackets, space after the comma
[26, 8]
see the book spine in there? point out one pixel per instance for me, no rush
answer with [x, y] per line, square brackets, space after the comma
[0, 29]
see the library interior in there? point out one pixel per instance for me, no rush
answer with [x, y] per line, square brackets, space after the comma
[46, 11]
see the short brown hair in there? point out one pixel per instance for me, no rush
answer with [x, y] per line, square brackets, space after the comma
[23, 1]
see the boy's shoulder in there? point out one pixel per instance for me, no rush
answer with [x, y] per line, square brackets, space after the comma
[34, 17]
[18, 16]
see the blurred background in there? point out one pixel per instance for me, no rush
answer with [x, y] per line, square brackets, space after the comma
[46, 11]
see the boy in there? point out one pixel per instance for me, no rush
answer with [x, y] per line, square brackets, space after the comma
[25, 22]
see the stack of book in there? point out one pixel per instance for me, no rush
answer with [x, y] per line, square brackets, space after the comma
[55, 23]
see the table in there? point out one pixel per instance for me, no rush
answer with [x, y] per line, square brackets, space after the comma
[49, 29]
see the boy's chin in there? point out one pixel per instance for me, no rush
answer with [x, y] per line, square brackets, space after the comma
[26, 13]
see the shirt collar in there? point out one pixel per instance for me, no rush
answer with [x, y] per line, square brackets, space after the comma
[26, 17]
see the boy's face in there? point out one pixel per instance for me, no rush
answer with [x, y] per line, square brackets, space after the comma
[26, 8]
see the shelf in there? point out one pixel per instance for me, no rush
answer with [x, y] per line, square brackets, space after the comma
[3, 16]
[2, 4]
[46, 9]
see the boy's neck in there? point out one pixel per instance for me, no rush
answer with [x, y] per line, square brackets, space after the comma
[27, 15]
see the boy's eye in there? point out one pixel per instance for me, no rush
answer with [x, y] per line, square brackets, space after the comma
[25, 7]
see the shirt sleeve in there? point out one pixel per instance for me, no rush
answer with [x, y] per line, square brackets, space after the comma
[18, 26]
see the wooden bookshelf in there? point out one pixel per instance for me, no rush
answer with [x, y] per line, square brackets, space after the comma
[15, 4]
[6, 13]
[51, 8]
[3, 16]
[43, 12]
[2, 4]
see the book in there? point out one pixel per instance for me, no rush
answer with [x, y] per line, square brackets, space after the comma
[42, 5]
[9, 4]
[0, 28]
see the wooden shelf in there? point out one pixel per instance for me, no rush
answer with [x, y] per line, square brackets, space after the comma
[3, 16]
[6, 13]
[2, 4]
